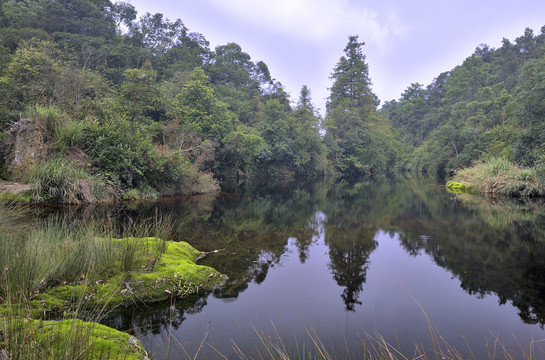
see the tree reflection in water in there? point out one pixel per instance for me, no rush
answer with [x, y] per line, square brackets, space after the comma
[493, 246]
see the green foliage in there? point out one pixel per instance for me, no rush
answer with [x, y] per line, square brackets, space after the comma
[246, 149]
[200, 110]
[528, 112]
[139, 94]
[30, 76]
[274, 129]
[309, 151]
[488, 106]
[354, 129]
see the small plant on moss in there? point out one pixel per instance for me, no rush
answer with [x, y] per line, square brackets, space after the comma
[184, 288]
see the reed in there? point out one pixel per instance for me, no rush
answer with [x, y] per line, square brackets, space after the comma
[56, 251]
[500, 176]
[38, 256]
[274, 345]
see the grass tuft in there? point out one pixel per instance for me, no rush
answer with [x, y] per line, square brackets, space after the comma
[500, 176]
[60, 180]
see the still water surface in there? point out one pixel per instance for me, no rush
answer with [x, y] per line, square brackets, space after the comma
[345, 261]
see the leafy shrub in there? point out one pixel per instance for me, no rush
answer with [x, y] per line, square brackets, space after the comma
[128, 159]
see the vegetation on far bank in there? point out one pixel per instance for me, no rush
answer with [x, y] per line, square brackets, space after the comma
[490, 106]
[128, 107]
[499, 176]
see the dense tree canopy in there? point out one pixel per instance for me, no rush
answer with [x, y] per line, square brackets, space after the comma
[85, 68]
[488, 106]
[140, 96]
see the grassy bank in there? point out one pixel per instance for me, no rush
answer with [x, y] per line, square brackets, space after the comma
[500, 176]
[55, 270]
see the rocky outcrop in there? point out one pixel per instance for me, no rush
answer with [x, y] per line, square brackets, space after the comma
[24, 148]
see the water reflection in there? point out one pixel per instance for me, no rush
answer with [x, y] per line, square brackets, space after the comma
[493, 246]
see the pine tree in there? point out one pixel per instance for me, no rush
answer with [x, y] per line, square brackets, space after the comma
[351, 84]
[359, 140]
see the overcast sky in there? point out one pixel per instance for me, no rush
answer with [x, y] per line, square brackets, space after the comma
[406, 41]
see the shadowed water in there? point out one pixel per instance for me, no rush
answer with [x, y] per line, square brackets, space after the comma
[345, 260]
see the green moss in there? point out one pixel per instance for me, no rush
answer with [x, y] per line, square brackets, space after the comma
[83, 340]
[175, 274]
[458, 187]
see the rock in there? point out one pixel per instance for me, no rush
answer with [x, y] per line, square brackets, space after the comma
[13, 188]
[24, 148]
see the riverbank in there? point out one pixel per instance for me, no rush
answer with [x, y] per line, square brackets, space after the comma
[56, 273]
[151, 280]
[13, 192]
[499, 177]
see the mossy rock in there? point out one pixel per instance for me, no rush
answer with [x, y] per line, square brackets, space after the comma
[176, 274]
[83, 340]
[458, 187]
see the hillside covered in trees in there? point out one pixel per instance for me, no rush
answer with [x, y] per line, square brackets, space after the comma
[492, 105]
[122, 105]
[131, 106]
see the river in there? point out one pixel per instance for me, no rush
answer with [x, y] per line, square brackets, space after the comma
[344, 264]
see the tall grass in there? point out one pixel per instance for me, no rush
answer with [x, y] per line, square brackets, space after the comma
[37, 256]
[500, 176]
[55, 251]
[60, 180]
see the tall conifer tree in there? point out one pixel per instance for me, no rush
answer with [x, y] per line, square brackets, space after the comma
[353, 126]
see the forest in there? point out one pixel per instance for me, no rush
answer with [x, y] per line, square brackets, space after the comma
[131, 106]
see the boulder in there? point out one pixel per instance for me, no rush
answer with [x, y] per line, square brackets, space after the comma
[24, 148]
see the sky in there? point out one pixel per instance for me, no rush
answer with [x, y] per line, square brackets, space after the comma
[405, 41]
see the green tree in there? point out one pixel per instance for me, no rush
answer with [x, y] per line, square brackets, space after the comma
[232, 67]
[198, 109]
[156, 35]
[354, 129]
[245, 150]
[31, 75]
[308, 147]
[527, 111]
[139, 94]
[275, 130]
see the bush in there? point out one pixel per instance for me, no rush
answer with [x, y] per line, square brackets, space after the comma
[96, 161]
[131, 162]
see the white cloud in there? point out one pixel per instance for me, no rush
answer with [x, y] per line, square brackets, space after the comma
[316, 20]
